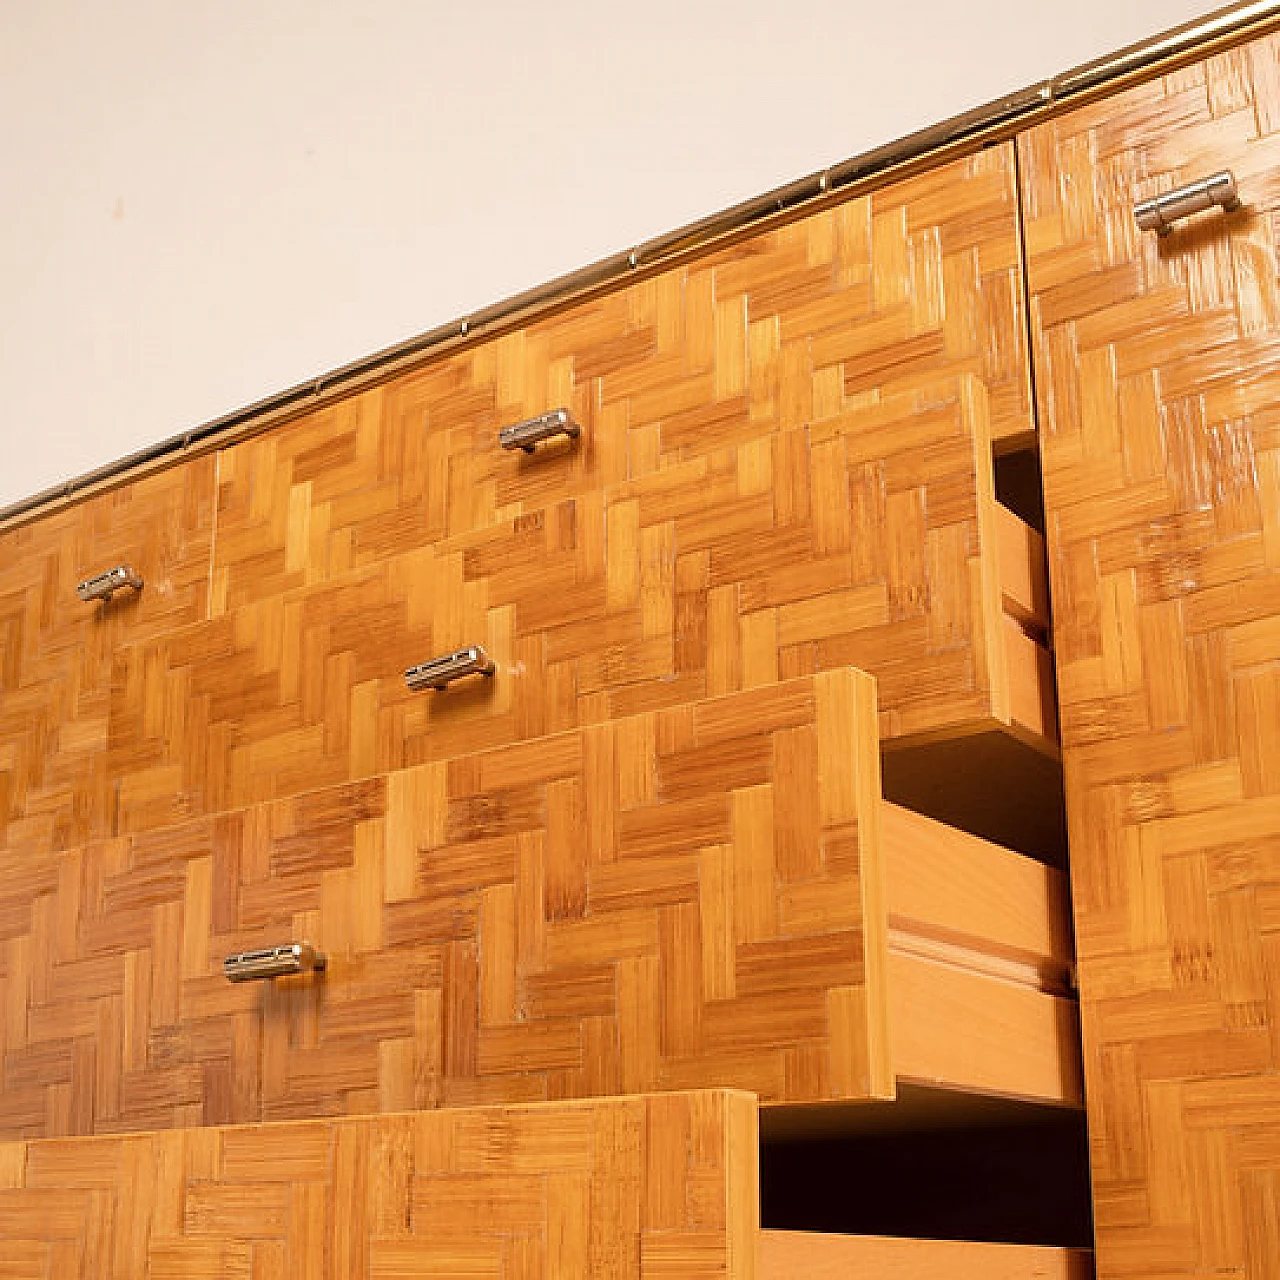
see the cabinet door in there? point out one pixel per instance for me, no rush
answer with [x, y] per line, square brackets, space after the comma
[1158, 373]
[872, 539]
[796, 326]
[57, 651]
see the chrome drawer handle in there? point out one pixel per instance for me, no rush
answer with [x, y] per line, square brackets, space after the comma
[274, 962]
[102, 585]
[1160, 213]
[441, 672]
[524, 435]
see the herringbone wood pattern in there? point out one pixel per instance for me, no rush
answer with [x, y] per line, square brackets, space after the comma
[57, 653]
[785, 468]
[872, 539]
[679, 899]
[666, 901]
[650, 1189]
[794, 327]
[1158, 367]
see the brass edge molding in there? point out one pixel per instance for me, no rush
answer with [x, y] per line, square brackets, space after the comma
[963, 134]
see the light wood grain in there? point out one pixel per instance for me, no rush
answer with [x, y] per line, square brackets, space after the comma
[804, 1255]
[57, 653]
[624, 1188]
[886, 293]
[1157, 375]
[955, 1027]
[1032, 712]
[785, 468]
[652, 903]
[945, 885]
[868, 539]
[685, 898]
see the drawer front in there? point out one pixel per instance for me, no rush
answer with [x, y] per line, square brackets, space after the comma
[793, 327]
[872, 541]
[57, 651]
[1159, 377]
[663, 902]
[634, 1188]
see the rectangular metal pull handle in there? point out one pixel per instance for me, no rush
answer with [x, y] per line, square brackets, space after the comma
[1160, 213]
[102, 585]
[524, 435]
[274, 962]
[440, 672]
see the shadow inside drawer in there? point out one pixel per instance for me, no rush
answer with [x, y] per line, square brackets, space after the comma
[1013, 1173]
[988, 784]
[1019, 485]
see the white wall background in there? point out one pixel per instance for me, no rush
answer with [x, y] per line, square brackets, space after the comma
[206, 201]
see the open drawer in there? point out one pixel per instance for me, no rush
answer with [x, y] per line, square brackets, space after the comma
[637, 1188]
[709, 895]
[872, 539]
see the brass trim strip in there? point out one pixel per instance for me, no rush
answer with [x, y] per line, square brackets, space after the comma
[992, 122]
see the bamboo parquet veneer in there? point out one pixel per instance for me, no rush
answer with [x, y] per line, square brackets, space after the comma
[709, 895]
[631, 1189]
[57, 653]
[1158, 369]
[913, 283]
[872, 538]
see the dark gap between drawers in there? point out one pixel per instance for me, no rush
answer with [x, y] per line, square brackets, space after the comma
[988, 784]
[1019, 486]
[921, 1168]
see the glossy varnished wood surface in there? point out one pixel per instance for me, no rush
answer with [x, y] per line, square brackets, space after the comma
[688, 898]
[672, 899]
[872, 538]
[650, 1189]
[645, 855]
[57, 653]
[979, 960]
[1158, 372]
[784, 467]
[913, 283]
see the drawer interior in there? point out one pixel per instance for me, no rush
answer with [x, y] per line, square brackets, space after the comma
[979, 965]
[988, 783]
[931, 1165]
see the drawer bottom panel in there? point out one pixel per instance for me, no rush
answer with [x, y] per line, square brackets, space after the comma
[806, 1255]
